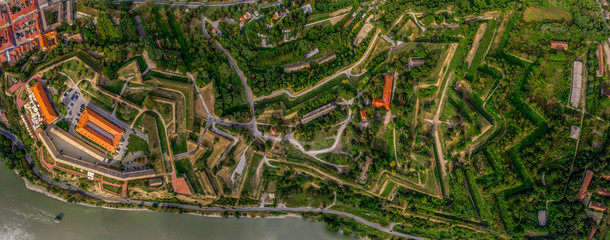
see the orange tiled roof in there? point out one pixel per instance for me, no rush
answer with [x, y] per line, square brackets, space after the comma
[585, 185]
[597, 206]
[559, 45]
[47, 40]
[362, 115]
[384, 101]
[110, 141]
[43, 102]
[6, 39]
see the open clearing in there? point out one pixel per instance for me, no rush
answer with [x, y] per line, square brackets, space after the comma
[363, 33]
[546, 14]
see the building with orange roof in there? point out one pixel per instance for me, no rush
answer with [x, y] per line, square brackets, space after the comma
[3, 15]
[363, 115]
[18, 8]
[597, 206]
[73, 38]
[44, 104]
[47, 41]
[99, 130]
[26, 28]
[585, 185]
[559, 45]
[20, 52]
[6, 39]
[384, 101]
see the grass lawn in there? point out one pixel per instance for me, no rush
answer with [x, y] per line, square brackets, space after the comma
[546, 14]
[137, 144]
[114, 189]
[126, 113]
[149, 124]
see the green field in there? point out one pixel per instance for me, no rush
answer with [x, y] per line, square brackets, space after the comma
[136, 144]
[533, 14]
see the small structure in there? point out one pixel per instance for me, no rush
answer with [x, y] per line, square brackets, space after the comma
[273, 131]
[600, 62]
[363, 115]
[78, 38]
[602, 191]
[585, 184]
[574, 132]
[387, 93]
[606, 92]
[542, 218]
[576, 84]
[296, 66]
[559, 45]
[597, 206]
[326, 58]
[153, 182]
[321, 111]
[365, 169]
[312, 53]
[307, 8]
[416, 62]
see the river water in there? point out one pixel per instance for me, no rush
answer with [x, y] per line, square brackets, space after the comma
[29, 215]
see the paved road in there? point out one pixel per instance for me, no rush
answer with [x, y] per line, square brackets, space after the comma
[346, 71]
[388, 230]
[193, 4]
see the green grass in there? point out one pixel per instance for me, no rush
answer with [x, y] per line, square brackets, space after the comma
[65, 125]
[533, 14]
[179, 143]
[483, 44]
[149, 124]
[388, 189]
[126, 114]
[114, 189]
[137, 144]
[317, 17]
[184, 167]
[290, 103]
[250, 187]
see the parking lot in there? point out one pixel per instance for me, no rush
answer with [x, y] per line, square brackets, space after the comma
[135, 161]
[75, 103]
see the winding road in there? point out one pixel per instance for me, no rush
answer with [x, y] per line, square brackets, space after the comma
[377, 226]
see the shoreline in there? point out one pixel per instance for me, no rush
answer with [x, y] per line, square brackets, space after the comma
[39, 189]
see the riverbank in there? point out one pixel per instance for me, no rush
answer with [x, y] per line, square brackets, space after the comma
[44, 191]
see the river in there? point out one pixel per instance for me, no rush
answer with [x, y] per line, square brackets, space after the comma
[29, 215]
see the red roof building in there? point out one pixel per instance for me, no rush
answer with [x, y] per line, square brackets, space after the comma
[363, 115]
[384, 101]
[6, 39]
[99, 130]
[559, 45]
[585, 185]
[44, 104]
[20, 8]
[26, 28]
[597, 206]
[602, 191]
